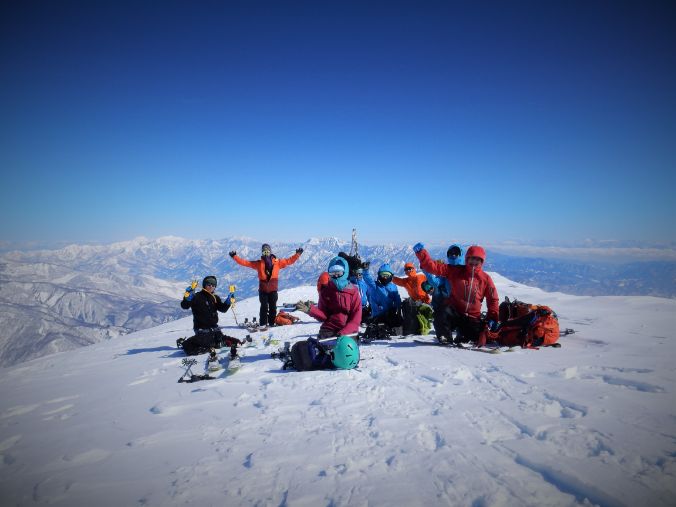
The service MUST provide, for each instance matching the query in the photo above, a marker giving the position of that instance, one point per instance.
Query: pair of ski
(462, 346)
(222, 367)
(486, 350)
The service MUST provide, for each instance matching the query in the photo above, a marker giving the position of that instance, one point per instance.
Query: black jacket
(204, 309)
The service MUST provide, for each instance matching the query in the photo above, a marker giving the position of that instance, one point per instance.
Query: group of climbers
(447, 293)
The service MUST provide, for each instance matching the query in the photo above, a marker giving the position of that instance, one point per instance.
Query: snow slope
(593, 422)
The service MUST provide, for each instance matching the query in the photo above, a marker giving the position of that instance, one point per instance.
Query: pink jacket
(339, 311)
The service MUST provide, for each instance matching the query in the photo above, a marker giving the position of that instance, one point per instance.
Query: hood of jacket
(456, 260)
(384, 268)
(476, 251)
(342, 281)
(412, 272)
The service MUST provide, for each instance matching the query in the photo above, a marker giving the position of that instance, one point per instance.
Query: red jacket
(339, 311)
(266, 284)
(469, 285)
(413, 284)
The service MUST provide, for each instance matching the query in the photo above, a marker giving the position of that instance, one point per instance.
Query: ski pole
(232, 303)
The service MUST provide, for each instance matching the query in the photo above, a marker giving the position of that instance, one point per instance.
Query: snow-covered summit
(591, 423)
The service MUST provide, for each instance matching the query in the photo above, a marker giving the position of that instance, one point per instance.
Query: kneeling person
(205, 306)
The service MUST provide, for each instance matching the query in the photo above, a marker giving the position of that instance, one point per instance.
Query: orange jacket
(323, 280)
(266, 284)
(412, 283)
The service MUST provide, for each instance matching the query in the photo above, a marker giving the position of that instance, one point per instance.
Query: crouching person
(470, 285)
(339, 306)
(205, 306)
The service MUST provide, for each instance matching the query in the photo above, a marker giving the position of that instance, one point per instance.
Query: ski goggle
(408, 269)
(336, 271)
(385, 274)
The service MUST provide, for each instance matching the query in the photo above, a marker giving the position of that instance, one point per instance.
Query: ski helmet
(345, 354)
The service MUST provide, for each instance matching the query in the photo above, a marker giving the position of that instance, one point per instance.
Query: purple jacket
(340, 311)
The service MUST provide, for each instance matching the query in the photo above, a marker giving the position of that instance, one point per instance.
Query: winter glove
(299, 251)
(418, 247)
(302, 307)
(365, 265)
(189, 293)
(493, 326)
(232, 253)
(232, 298)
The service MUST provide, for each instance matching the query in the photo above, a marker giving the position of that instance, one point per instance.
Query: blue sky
(412, 121)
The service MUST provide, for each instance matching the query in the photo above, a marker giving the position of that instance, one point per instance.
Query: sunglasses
(408, 269)
(208, 284)
(336, 274)
(266, 252)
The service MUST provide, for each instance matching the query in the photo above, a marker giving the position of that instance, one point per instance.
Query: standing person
(384, 298)
(442, 291)
(205, 306)
(339, 307)
(470, 285)
(267, 267)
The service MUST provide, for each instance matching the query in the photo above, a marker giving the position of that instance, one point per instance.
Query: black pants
(440, 326)
(268, 311)
(468, 328)
(409, 308)
(391, 319)
(365, 314)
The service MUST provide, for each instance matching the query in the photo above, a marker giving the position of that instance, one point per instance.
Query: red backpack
(525, 325)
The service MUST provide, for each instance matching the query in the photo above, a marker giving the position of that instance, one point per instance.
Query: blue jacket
(442, 289)
(363, 288)
(382, 298)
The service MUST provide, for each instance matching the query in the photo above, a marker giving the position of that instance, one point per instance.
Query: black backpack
(308, 355)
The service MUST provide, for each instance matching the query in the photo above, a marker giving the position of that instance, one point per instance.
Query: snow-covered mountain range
(55, 300)
(591, 423)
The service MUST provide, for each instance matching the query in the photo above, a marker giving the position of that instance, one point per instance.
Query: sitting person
(384, 299)
(357, 279)
(412, 283)
(339, 306)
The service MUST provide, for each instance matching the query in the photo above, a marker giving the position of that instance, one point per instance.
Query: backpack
(285, 319)
(308, 355)
(525, 325)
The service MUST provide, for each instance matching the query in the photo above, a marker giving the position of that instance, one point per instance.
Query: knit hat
(209, 280)
(266, 247)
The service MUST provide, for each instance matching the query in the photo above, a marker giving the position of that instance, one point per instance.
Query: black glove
(365, 265)
(232, 253)
(299, 250)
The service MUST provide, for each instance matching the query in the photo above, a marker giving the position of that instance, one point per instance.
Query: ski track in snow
(590, 423)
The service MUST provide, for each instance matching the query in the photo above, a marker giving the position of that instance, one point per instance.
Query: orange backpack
(526, 325)
(284, 319)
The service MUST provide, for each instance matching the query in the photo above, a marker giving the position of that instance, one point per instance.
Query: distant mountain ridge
(55, 300)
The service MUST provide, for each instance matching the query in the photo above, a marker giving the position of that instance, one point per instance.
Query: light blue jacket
(363, 288)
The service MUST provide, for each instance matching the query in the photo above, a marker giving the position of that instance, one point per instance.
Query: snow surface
(593, 422)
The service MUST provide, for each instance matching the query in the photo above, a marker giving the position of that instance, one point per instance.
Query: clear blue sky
(285, 120)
